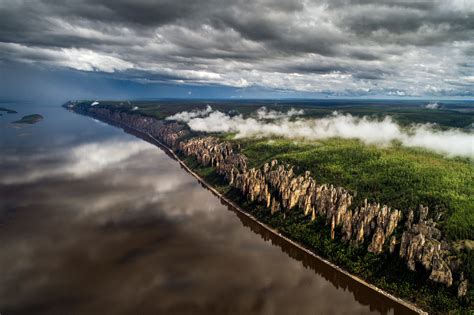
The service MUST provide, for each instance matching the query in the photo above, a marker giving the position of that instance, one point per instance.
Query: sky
(233, 49)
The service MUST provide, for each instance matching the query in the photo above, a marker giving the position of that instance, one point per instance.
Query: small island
(29, 119)
(8, 111)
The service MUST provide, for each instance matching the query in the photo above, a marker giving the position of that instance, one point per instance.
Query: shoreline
(411, 306)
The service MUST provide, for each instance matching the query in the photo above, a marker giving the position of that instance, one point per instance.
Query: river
(93, 219)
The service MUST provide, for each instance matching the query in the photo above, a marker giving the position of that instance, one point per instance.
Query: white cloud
(264, 113)
(432, 105)
(88, 60)
(187, 116)
(451, 142)
(79, 59)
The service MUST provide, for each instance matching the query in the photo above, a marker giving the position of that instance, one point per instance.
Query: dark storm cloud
(364, 55)
(373, 74)
(338, 45)
(401, 24)
(319, 68)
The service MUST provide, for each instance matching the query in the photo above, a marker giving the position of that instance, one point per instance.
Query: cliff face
(168, 133)
(422, 243)
(278, 188)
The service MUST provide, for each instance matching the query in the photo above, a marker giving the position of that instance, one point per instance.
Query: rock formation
(278, 188)
(421, 243)
(462, 289)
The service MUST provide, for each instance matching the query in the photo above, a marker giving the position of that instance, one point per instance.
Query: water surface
(95, 220)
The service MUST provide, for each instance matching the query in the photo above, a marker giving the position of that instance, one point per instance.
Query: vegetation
(384, 271)
(397, 176)
(29, 119)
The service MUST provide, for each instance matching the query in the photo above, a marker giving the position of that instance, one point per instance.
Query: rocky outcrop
(393, 243)
(463, 285)
(373, 217)
(440, 271)
(168, 132)
(280, 189)
(421, 243)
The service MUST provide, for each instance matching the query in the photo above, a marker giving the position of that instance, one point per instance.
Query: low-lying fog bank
(264, 123)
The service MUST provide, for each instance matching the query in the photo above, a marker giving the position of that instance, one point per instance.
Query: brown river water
(95, 220)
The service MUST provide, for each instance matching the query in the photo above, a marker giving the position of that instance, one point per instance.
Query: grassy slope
(399, 177)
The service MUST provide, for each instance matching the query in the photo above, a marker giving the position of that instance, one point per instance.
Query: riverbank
(410, 307)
